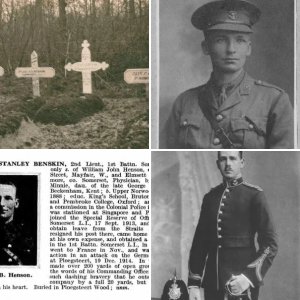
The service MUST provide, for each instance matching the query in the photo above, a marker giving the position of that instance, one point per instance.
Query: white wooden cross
(35, 72)
(86, 67)
(134, 76)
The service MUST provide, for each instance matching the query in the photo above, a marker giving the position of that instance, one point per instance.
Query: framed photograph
(180, 64)
(185, 183)
(19, 219)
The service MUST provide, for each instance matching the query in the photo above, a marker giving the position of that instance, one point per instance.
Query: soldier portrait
(233, 215)
(227, 221)
(18, 220)
(224, 85)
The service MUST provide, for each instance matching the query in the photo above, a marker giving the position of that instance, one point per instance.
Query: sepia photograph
(226, 74)
(18, 219)
(74, 74)
(225, 225)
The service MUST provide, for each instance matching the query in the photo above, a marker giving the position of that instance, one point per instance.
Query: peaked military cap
(233, 15)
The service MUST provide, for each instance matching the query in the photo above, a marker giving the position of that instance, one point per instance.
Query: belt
(236, 241)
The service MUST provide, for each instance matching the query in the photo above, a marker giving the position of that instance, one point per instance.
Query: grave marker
(135, 76)
(86, 67)
(35, 72)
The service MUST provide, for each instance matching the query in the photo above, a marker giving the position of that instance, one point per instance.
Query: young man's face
(228, 50)
(8, 202)
(230, 164)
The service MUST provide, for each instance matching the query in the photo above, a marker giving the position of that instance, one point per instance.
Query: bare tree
(62, 18)
(116, 29)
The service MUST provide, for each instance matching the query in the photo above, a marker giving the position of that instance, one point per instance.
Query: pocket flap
(239, 124)
(190, 120)
(257, 125)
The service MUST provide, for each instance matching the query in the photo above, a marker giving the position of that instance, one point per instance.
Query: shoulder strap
(253, 186)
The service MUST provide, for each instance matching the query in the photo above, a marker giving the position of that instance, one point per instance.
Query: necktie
(222, 96)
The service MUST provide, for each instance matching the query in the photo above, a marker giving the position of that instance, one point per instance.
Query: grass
(10, 122)
(61, 102)
(135, 135)
(66, 109)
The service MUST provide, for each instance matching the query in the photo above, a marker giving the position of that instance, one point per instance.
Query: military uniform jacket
(224, 241)
(16, 245)
(255, 115)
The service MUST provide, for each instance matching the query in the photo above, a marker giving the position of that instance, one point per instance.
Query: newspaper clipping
(72, 224)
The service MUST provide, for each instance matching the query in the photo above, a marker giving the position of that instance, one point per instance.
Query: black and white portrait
(236, 192)
(188, 34)
(18, 219)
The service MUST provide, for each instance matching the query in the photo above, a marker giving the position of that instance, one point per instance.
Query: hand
(238, 284)
(194, 293)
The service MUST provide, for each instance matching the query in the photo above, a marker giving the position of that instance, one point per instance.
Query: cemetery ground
(115, 116)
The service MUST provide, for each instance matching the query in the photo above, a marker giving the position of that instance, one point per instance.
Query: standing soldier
(232, 110)
(223, 257)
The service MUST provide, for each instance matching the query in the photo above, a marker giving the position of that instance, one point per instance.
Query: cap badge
(232, 15)
(174, 292)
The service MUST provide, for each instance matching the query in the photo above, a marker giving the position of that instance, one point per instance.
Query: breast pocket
(190, 126)
(249, 133)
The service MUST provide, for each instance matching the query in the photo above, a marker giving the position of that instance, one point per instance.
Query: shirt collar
(229, 86)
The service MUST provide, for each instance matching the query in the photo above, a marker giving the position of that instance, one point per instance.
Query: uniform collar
(246, 85)
(243, 88)
(229, 86)
(233, 182)
(235, 98)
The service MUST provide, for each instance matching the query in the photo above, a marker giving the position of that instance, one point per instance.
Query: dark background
(27, 193)
(183, 65)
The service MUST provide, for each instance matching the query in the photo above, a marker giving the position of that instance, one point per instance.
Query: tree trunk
(107, 7)
(131, 10)
(63, 18)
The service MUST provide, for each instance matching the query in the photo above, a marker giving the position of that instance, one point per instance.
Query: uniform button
(259, 81)
(226, 190)
(219, 246)
(216, 141)
(220, 212)
(222, 204)
(9, 246)
(9, 260)
(219, 228)
(224, 197)
(251, 126)
(219, 236)
(219, 118)
(219, 220)
(184, 123)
